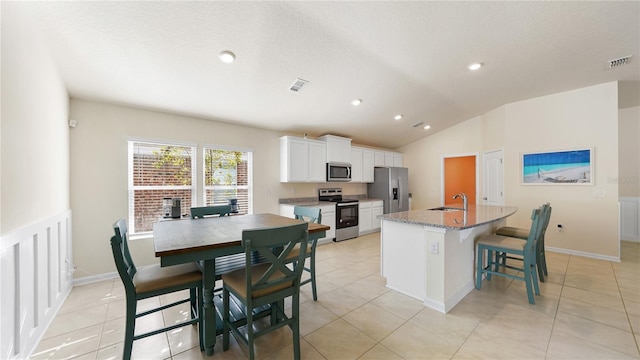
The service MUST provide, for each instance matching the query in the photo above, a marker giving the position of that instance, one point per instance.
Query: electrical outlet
(72, 267)
(433, 247)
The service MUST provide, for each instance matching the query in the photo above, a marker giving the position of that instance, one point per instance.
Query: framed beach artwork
(570, 167)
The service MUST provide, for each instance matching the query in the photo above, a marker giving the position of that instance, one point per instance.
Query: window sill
(141, 236)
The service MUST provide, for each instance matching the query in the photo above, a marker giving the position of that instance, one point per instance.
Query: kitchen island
(430, 254)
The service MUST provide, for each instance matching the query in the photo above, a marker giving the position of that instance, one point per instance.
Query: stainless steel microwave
(338, 171)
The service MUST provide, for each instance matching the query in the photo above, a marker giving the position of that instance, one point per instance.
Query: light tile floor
(588, 309)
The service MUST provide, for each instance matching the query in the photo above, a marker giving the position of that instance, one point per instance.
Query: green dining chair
(153, 281)
(493, 243)
(264, 284)
(310, 214)
(228, 262)
(204, 211)
(523, 234)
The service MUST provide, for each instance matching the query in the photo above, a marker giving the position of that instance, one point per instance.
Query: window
(158, 171)
(227, 175)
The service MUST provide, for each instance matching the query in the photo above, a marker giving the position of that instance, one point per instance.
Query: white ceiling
(399, 57)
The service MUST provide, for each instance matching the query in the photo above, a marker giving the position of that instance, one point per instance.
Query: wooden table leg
(209, 311)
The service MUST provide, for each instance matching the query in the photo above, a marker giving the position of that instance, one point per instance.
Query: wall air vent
(619, 62)
(298, 84)
(417, 124)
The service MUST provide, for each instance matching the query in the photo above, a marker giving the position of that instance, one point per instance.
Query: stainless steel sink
(446, 208)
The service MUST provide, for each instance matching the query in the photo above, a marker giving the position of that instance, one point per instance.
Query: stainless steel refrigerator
(391, 184)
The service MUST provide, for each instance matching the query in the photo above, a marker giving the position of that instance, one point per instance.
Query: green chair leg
(129, 328)
(498, 246)
(225, 321)
(151, 282)
(295, 309)
(479, 267)
(313, 276)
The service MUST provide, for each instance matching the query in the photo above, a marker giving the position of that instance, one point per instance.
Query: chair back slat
(275, 245)
(310, 214)
(121, 255)
(537, 223)
(546, 217)
(201, 212)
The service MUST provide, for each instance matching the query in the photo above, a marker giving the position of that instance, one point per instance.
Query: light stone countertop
(307, 202)
(476, 215)
(313, 201)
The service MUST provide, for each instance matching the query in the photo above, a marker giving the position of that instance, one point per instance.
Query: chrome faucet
(465, 202)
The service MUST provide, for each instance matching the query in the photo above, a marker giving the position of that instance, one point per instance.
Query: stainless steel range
(346, 213)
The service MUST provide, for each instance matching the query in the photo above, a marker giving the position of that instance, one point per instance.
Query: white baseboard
(459, 295)
(94, 278)
(583, 253)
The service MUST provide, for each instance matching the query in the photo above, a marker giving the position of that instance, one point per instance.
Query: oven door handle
(347, 204)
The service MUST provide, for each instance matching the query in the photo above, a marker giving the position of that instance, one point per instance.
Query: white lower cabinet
(329, 219)
(328, 213)
(368, 222)
(376, 210)
(364, 217)
(368, 212)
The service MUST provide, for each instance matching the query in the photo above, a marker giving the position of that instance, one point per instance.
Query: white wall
(34, 132)
(585, 117)
(99, 172)
(34, 191)
(629, 147)
(424, 157)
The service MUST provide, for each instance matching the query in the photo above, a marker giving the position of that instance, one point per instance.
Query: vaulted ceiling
(406, 58)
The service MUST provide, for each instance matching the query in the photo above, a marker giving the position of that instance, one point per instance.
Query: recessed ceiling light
(427, 127)
(227, 56)
(356, 102)
(475, 66)
(398, 117)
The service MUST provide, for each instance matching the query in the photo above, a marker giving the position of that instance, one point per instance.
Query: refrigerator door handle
(401, 191)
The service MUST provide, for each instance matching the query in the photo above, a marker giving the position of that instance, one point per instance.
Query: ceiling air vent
(619, 62)
(298, 84)
(417, 124)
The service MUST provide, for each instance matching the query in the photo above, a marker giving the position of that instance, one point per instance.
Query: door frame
(484, 189)
(442, 159)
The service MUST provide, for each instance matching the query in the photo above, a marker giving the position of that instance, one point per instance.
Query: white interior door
(493, 184)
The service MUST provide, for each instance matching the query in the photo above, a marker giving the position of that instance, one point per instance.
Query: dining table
(193, 240)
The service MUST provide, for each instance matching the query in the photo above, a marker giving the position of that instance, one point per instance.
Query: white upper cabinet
(397, 159)
(368, 158)
(356, 164)
(305, 160)
(302, 160)
(317, 161)
(387, 158)
(338, 148)
(362, 164)
(379, 158)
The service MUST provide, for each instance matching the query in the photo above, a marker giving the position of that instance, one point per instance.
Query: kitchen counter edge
(476, 215)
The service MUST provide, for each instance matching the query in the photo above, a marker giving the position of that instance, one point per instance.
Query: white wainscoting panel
(630, 218)
(35, 278)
